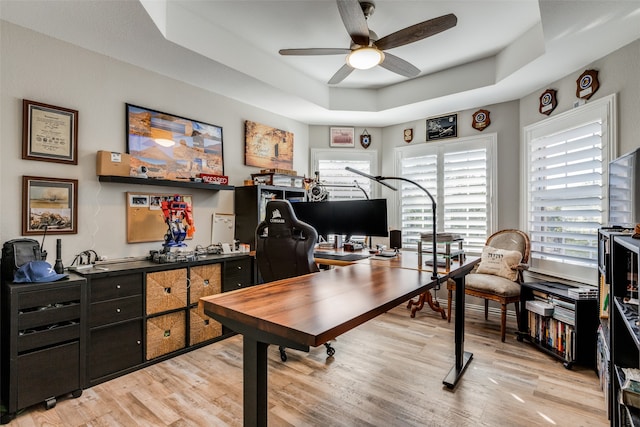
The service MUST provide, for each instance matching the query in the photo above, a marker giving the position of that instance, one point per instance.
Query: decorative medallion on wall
(548, 101)
(481, 120)
(365, 139)
(587, 84)
(408, 135)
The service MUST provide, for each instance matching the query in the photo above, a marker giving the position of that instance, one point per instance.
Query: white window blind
(566, 164)
(340, 183)
(566, 195)
(459, 177)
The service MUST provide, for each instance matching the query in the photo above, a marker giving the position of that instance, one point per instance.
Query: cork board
(145, 221)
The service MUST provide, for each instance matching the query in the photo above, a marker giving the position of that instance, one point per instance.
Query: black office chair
(284, 248)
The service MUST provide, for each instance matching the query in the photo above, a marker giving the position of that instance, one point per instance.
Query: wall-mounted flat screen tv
(172, 147)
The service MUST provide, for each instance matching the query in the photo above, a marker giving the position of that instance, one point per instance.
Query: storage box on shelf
(559, 323)
(44, 344)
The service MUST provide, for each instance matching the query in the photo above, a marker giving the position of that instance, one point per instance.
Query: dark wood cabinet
(44, 345)
(237, 274)
(250, 202)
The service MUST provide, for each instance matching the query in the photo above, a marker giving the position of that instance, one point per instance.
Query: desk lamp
(381, 179)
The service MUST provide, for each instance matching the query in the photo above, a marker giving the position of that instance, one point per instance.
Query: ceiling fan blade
(399, 66)
(314, 51)
(354, 21)
(417, 32)
(341, 74)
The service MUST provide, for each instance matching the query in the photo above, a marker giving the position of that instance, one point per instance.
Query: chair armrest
(521, 267)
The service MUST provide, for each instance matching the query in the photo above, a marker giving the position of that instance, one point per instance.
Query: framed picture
(342, 137)
(49, 133)
(49, 204)
(442, 127)
(267, 147)
(172, 147)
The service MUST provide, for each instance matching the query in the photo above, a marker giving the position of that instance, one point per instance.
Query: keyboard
(341, 257)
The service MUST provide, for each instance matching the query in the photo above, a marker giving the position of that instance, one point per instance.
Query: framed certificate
(49, 133)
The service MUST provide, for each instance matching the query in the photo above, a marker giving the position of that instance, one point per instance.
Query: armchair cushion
(488, 283)
(499, 262)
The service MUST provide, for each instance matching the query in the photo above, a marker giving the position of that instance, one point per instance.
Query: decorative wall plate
(548, 101)
(587, 84)
(481, 120)
(365, 139)
(408, 135)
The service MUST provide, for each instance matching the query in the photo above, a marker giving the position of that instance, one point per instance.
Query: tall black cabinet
(249, 205)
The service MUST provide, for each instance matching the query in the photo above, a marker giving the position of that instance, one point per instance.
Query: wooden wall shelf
(163, 182)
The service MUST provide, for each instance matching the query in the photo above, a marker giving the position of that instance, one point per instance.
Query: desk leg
(254, 355)
(462, 357)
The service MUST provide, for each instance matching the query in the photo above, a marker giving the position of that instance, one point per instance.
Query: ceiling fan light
(365, 58)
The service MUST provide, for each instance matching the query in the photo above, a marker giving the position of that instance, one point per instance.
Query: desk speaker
(395, 239)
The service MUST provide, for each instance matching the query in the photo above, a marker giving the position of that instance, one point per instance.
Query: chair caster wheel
(330, 350)
(283, 354)
(76, 393)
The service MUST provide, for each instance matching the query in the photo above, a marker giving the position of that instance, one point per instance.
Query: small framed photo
(49, 133)
(49, 205)
(442, 127)
(342, 137)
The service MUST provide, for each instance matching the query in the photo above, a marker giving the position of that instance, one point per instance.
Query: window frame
(318, 154)
(604, 109)
(488, 140)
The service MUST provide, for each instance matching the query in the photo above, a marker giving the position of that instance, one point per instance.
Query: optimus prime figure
(177, 216)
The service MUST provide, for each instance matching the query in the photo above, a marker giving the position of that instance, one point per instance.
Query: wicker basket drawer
(204, 280)
(165, 334)
(202, 327)
(166, 290)
(106, 288)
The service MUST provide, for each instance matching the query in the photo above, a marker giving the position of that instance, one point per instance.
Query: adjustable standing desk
(307, 311)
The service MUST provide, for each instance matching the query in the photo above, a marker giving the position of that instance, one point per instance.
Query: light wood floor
(387, 372)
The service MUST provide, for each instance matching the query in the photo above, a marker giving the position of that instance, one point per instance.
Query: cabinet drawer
(114, 348)
(105, 288)
(237, 274)
(165, 334)
(47, 297)
(30, 339)
(115, 310)
(46, 316)
(47, 373)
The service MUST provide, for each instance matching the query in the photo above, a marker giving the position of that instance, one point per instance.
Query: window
(566, 162)
(339, 183)
(459, 175)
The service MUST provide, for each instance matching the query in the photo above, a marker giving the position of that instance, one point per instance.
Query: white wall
(617, 73)
(43, 69)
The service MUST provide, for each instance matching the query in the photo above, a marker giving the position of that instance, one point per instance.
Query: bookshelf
(624, 322)
(560, 321)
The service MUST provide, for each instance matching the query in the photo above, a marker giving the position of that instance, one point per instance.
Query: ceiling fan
(366, 50)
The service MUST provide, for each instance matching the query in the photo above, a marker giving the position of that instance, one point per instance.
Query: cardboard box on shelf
(113, 163)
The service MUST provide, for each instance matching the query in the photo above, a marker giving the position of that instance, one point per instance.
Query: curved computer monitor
(345, 217)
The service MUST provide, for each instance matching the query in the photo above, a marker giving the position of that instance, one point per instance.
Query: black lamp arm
(381, 180)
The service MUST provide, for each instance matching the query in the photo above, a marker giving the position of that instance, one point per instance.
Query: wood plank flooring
(387, 372)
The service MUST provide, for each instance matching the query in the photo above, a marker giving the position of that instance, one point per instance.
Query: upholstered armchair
(498, 275)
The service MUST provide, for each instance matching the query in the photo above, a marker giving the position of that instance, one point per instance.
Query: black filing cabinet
(43, 348)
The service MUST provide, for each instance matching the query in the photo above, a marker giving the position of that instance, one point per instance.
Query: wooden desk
(309, 310)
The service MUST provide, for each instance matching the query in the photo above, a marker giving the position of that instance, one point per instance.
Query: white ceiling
(499, 50)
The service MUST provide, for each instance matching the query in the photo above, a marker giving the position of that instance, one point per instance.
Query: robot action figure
(177, 215)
